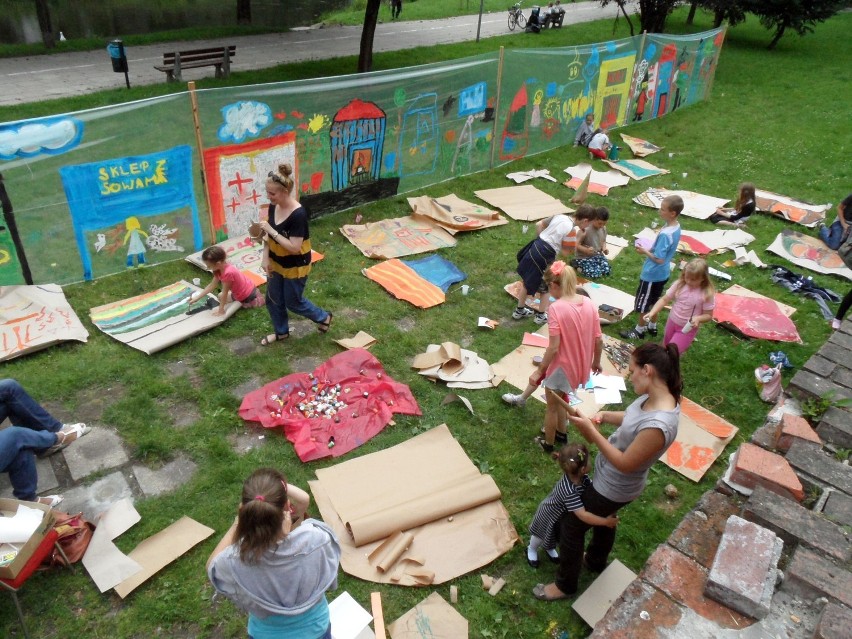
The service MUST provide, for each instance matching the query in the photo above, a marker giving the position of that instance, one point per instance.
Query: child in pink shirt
(694, 298)
(233, 281)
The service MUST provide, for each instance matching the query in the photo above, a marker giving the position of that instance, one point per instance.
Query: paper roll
(390, 550)
(470, 493)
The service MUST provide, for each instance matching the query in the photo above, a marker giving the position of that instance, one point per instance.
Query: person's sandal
(323, 327)
(541, 595)
(78, 430)
(275, 337)
(547, 448)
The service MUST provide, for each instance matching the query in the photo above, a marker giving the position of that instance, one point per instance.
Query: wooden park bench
(175, 61)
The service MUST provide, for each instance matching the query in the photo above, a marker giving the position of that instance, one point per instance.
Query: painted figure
(136, 247)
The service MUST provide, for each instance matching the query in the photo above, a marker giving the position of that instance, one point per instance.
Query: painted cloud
(51, 135)
(244, 119)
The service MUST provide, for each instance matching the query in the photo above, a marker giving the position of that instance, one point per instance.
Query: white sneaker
(514, 400)
(540, 318)
(521, 313)
(835, 324)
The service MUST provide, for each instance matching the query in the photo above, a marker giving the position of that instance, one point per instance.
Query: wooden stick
(378, 616)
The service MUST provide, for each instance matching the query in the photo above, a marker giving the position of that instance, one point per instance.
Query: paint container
(525, 228)
(196, 281)
(671, 155)
(537, 360)
(465, 289)
(685, 174)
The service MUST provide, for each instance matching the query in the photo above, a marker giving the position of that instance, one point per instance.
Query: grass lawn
(775, 118)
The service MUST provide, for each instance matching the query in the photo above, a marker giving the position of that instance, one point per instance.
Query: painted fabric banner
(35, 317)
(67, 239)
(96, 175)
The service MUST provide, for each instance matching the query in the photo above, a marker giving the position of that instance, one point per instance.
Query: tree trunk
(692, 8)
(779, 31)
(371, 17)
(717, 18)
(243, 11)
(43, 13)
(626, 17)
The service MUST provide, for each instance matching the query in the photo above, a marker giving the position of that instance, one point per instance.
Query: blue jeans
(34, 429)
(833, 235)
(282, 295)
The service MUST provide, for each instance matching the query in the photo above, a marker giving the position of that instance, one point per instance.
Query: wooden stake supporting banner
(497, 106)
(196, 121)
(378, 615)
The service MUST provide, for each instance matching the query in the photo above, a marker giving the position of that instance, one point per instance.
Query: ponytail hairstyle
(261, 516)
(282, 178)
(563, 275)
(572, 458)
(745, 195)
(665, 360)
(698, 267)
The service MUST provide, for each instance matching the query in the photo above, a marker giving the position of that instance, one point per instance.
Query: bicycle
(516, 17)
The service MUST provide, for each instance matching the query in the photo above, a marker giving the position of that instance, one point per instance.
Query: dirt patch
(306, 364)
(92, 402)
(185, 368)
(181, 414)
(351, 313)
(668, 506)
(251, 384)
(244, 346)
(252, 437)
(406, 324)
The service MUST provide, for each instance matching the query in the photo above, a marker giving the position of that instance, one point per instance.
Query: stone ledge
(810, 460)
(836, 427)
(812, 575)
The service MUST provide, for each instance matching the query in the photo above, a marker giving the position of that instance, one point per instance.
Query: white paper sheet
(348, 618)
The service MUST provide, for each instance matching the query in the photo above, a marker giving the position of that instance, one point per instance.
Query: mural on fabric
(351, 139)
(122, 190)
(236, 181)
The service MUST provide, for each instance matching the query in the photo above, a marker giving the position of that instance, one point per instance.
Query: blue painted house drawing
(357, 138)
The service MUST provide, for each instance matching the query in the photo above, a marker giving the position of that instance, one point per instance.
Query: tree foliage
(730, 11)
(371, 18)
(652, 13)
(243, 11)
(797, 15)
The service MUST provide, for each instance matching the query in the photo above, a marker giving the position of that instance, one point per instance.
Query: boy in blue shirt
(657, 266)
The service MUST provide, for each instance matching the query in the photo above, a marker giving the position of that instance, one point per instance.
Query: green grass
(93, 44)
(422, 10)
(774, 118)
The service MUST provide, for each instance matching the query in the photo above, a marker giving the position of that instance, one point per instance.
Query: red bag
(75, 533)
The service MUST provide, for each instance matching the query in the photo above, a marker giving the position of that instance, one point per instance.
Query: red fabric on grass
(355, 370)
(755, 317)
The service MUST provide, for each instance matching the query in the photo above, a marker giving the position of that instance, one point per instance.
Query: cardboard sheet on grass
(636, 169)
(35, 317)
(705, 242)
(809, 252)
(516, 367)
(524, 203)
(432, 618)
(456, 366)
(246, 256)
(454, 214)
(153, 321)
(519, 177)
(397, 237)
(736, 289)
(598, 598)
(369, 395)
(790, 209)
(600, 182)
(639, 147)
(110, 568)
(599, 294)
(756, 316)
(696, 205)
(423, 283)
(391, 512)
(701, 438)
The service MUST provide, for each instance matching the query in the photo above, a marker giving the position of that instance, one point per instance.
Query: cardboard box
(8, 508)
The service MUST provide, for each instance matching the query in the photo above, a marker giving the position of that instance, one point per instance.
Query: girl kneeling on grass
(694, 299)
(233, 281)
(565, 497)
(273, 568)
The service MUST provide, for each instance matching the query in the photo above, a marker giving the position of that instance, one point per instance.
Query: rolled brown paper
(478, 490)
(390, 550)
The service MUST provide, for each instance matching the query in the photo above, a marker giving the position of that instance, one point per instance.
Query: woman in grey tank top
(645, 431)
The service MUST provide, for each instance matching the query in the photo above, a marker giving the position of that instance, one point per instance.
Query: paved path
(62, 75)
